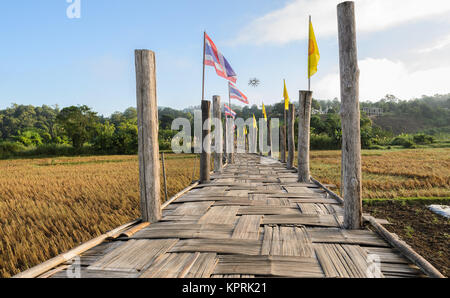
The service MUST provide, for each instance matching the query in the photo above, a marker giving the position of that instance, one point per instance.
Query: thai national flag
(229, 111)
(214, 58)
(236, 94)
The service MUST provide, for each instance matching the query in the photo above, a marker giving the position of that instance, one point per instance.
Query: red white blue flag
(214, 58)
(236, 94)
(229, 111)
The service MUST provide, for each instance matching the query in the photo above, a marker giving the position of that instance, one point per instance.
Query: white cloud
(290, 22)
(383, 76)
(441, 43)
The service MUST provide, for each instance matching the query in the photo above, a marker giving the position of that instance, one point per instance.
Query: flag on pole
(236, 94)
(229, 111)
(313, 52)
(264, 112)
(286, 97)
(254, 122)
(214, 58)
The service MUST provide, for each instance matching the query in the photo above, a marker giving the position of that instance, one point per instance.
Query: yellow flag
(264, 111)
(286, 97)
(254, 121)
(313, 52)
(245, 130)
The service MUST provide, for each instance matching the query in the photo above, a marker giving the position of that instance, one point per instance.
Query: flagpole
(309, 40)
(204, 52)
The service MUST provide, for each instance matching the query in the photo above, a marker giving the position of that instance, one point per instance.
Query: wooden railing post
(283, 138)
(269, 138)
(218, 145)
(148, 147)
(205, 156)
(350, 115)
(282, 144)
(291, 142)
(304, 123)
(163, 163)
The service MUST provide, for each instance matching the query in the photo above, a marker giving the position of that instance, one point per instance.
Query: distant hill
(429, 114)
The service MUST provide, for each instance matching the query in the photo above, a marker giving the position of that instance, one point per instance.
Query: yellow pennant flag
(245, 130)
(254, 122)
(313, 52)
(264, 111)
(286, 97)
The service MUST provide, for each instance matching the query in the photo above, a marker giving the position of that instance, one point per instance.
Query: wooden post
(230, 140)
(164, 177)
(283, 138)
(205, 156)
(350, 115)
(304, 123)
(218, 166)
(148, 147)
(282, 143)
(269, 139)
(290, 137)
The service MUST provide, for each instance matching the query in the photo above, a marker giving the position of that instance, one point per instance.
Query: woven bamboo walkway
(253, 220)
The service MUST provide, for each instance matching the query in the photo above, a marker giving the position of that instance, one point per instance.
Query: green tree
(126, 138)
(79, 123)
(104, 137)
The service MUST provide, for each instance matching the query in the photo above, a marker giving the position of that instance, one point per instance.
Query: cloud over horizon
(284, 25)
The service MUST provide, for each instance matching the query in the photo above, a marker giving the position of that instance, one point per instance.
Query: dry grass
(48, 206)
(392, 173)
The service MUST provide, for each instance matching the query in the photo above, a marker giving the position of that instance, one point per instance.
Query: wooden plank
(275, 266)
(342, 260)
(203, 266)
(171, 265)
(267, 210)
(286, 241)
(133, 256)
(186, 231)
(192, 208)
(312, 208)
(229, 246)
(312, 200)
(220, 215)
(387, 255)
(302, 219)
(247, 227)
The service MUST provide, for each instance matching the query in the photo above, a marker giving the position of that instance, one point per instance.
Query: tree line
(45, 130)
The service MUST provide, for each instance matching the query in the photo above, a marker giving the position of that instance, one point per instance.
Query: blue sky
(47, 58)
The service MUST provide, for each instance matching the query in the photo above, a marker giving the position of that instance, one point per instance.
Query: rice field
(391, 173)
(50, 205)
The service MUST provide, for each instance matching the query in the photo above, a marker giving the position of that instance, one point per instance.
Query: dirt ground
(426, 232)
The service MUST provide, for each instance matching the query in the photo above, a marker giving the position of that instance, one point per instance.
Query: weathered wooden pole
(282, 142)
(205, 156)
(229, 131)
(166, 197)
(269, 139)
(350, 115)
(218, 166)
(290, 137)
(283, 138)
(304, 124)
(148, 147)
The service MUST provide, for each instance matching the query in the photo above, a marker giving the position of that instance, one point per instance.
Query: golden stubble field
(49, 205)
